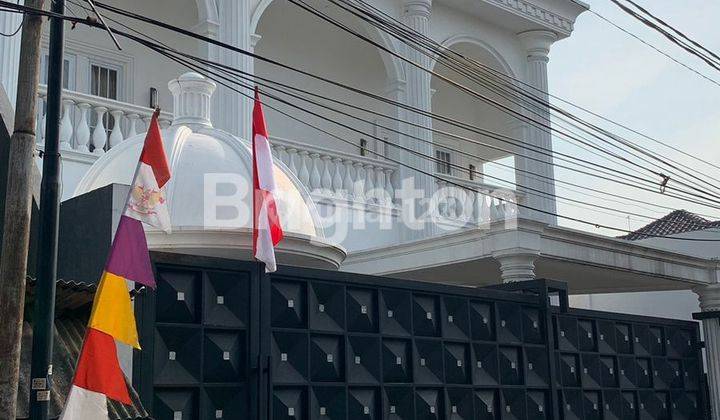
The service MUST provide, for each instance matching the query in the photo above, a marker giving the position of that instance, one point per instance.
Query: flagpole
(44, 315)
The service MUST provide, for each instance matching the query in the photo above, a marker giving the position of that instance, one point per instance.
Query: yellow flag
(112, 311)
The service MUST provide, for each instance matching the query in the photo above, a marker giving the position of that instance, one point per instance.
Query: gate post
(709, 298)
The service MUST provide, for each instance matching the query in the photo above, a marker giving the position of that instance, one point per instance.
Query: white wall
(142, 68)
(296, 38)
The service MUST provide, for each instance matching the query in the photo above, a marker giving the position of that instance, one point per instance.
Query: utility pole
(18, 199)
(44, 314)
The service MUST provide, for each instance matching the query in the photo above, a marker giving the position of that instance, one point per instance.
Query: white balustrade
(94, 124)
(337, 174)
(457, 200)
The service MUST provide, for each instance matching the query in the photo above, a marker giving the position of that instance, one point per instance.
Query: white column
(516, 264)
(10, 53)
(709, 298)
(537, 47)
(416, 14)
(233, 109)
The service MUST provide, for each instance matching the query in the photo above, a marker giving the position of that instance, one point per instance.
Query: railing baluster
(389, 184)
(359, 181)
(116, 135)
(292, 153)
(99, 136)
(348, 178)
(66, 128)
(381, 195)
(132, 121)
(314, 172)
(369, 182)
(326, 180)
(303, 173)
(82, 134)
(337, 182)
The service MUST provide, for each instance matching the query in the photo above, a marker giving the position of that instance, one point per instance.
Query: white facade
(357, 178)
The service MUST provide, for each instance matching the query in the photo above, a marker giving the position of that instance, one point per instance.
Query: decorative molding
(530, 11)
(100, 55)
(709, 297)
(537, 43)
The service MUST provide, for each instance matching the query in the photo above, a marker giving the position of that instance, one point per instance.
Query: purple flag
(129, 256)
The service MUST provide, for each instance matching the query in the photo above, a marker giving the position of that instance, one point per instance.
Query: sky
(607, 71)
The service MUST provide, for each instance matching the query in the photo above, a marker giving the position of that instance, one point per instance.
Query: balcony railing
(91, 124)
(489, 203)
(335, 174)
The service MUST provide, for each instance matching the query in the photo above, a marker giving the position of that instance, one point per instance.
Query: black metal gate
(225, 341)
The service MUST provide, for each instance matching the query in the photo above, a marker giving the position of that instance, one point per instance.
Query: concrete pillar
(516, 264)
(10, 53)
(416, 14)
(537, 47)
(233, 110)
(709, 298)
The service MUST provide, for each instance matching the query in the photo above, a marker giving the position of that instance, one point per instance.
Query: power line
(200, 70)
(442, 51)
(412, 35)
(251, 77)
(303, 109)
(653, 47)
(323, 79)
(709, 60)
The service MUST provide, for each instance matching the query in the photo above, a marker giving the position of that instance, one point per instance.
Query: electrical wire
(200, 70)
(273, 62)
(15, 32)
(440, 52)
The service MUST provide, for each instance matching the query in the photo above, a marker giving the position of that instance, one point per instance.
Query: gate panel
(224, 341)
(631, 367)
(379, 348)
(196, 331)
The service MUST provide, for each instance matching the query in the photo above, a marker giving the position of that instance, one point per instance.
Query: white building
(109, 93)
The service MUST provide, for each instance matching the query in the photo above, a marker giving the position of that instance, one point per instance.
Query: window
(471, 172)
(363, 147)
(103, 81)
(442, 162)
(68, 71)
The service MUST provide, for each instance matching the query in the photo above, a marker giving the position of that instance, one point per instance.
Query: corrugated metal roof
(679, 221)
(69, 334)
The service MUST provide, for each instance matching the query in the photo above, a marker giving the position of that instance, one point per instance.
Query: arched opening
(295, 37)
(488, 165)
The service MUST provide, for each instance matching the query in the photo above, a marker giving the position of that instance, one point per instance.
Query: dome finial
(191, 99)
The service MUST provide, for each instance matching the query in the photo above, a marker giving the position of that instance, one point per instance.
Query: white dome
(210, 190)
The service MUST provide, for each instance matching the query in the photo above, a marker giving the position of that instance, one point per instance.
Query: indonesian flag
(97, 378)
(147, 202)
(267, 231)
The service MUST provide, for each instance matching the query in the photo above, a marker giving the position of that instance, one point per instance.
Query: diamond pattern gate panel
(354, 347)
(223, 340)
(196, 331)
(615, 366)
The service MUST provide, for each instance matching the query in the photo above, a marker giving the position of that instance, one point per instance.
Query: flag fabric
(267, 231)
(147, 202)
(98, 375)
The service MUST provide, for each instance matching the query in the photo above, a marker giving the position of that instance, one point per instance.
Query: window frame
(443, 166)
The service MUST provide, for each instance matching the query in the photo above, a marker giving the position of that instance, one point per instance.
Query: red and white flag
(267, 231)
(98, 377)
(147, 201)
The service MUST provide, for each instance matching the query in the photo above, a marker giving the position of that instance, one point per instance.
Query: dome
(210, 191)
